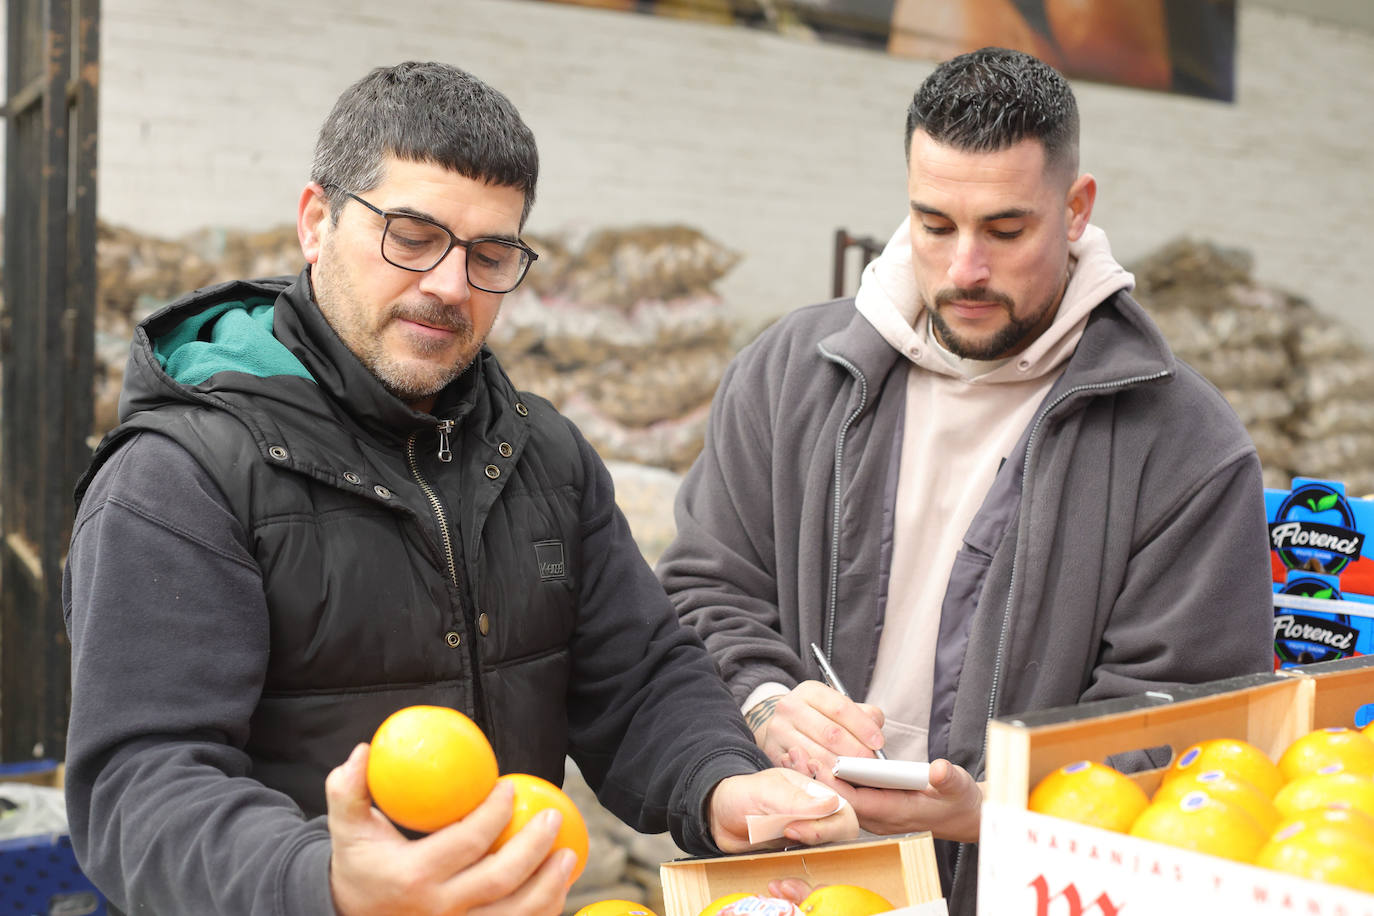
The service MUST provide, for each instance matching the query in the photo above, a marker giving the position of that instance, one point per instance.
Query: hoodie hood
(889, 300)
(229, 336)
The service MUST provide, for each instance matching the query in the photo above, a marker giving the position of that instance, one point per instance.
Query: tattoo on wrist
(760, 713)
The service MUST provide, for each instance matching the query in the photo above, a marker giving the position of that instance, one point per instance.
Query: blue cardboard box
(39, 877)
(1315, 622)
(38, 873)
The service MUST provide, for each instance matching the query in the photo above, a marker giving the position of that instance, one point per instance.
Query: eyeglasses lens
(416, 244)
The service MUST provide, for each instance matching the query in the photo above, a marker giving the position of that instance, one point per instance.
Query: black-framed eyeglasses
(418, 244)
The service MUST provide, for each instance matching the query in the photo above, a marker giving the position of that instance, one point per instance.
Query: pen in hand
(834, 681)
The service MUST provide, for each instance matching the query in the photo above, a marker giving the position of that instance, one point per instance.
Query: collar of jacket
(301, 327)
(1121, 344)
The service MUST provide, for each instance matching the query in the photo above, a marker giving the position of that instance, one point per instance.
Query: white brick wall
(208, 114)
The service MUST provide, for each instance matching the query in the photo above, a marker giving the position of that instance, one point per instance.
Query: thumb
(345, 790)
(806, 795)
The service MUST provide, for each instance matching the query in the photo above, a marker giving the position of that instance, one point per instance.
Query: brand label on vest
(549, 555)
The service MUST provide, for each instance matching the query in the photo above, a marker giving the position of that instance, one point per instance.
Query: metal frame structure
(47, 341)
(869, 248)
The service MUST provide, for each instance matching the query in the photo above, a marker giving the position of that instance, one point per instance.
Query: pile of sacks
(624, 335)
(1298, 379)
(622, 331)
(138, 274)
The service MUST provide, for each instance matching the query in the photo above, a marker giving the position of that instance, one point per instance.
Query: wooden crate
(1034, 864)
(902, 869)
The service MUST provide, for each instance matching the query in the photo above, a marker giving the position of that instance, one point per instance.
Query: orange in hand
(533, 795)
(429, 766)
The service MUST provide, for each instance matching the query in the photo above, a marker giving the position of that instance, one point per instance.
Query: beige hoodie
(963, 417)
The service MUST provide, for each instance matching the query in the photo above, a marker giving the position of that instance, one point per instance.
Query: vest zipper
(433, 498)
(478, 694)
(445, 455)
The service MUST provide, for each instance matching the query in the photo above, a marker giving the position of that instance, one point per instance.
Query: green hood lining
(227, 337)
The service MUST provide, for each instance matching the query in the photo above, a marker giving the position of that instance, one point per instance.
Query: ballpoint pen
(834, 681)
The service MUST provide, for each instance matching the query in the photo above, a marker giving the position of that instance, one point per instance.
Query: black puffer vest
(392, 577)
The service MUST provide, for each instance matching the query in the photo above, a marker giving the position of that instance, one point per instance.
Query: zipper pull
(445, 455)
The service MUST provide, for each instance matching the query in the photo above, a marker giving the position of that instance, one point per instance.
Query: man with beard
(983, 486)
(325, 502)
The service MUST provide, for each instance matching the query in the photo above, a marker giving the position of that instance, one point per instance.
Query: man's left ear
(1079, 204)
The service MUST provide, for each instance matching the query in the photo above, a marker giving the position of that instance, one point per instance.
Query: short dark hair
(993, 98)
(423, 112)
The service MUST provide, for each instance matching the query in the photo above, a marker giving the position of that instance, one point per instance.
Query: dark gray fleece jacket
(1121, 547)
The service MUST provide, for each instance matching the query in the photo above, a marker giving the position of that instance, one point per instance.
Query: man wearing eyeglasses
(325, 502)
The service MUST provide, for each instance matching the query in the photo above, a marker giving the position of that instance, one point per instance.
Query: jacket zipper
(433, 497)
(1011, 585)
(836, 500)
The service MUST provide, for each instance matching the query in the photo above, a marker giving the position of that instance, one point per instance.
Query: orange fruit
(1204, 824)
(1321, 852)
(720, 903)
(429, 766)
(1089, 793)
(615, 908)
(1348, 790)
(533, 795)
(1345, 819)
(1232, 755)
(843, 900)
(1328, 750)
(1228, 788)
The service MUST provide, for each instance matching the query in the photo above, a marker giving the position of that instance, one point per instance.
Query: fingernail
(819, 791)
(875, 740)
(552, 817)
(567, 860)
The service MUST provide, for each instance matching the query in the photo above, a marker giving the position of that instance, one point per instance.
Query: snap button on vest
(278, 453)
(382, 491)
(453, 638)
(505, 449)
(483, 623)
(352, 478)
(522, 409)
(493, 471)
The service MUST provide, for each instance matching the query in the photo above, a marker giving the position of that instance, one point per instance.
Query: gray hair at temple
(992, 99)
(423, 112)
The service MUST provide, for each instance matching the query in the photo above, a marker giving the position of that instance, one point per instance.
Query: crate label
(1034, 865)
(1314, 621)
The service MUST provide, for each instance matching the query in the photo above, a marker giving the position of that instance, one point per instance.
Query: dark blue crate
(39, 877)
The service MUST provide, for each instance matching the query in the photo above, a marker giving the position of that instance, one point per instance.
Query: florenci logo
(1314, 523)
(1312, 629)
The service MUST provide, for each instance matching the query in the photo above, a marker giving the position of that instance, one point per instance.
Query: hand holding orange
(533, 795)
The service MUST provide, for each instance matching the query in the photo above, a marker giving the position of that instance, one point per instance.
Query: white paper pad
(882, 774)
(765, 827)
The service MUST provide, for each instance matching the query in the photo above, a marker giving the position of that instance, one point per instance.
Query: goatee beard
(1002, 342)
